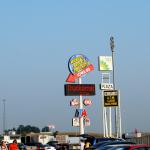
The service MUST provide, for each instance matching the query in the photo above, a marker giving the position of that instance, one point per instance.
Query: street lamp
(4, 116)
(112, 46)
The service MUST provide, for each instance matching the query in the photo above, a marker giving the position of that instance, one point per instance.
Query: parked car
(21, 146)
(127, 147)
(108, 139)
(48, 147)
(54, 144)
(120, 147)
(93, 140)
(100, 145)
(38, 146)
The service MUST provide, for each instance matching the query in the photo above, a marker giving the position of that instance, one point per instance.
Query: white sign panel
(105, 63)
(74, 102)
(75, 122)
(87, 121)
(106, 86)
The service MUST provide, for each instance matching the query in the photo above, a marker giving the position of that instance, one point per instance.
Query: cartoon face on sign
(77, 63)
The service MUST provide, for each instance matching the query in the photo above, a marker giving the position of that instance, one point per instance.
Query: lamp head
(112, 45)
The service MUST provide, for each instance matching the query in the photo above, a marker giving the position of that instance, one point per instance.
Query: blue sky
(37, 38)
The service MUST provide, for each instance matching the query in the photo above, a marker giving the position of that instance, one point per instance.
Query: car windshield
(46, 145)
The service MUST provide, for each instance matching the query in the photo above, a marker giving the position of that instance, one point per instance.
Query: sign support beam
(81, 107)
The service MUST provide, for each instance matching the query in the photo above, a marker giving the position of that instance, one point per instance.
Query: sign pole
(119, 111)
(81, 107)
(110, 125)
(104, 129)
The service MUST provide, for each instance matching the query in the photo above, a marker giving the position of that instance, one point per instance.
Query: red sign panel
(72, 77)
(79, 89)
(87, 102)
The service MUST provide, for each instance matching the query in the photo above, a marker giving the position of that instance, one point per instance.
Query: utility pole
(4, 116)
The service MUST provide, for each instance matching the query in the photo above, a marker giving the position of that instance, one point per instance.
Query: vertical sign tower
(110, 96)
(79, 65)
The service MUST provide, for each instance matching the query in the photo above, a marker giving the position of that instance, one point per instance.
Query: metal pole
(103, 108)
(112, 46)
(106, 125)
(120, 125)
(81, 107)
(110, 125)
(4, 116)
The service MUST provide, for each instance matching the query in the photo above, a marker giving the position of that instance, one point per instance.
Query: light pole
(4, 116)
(112, 46)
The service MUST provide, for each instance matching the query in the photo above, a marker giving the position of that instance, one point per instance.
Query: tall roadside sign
(79, 66)
(110, 96)
(105, 66)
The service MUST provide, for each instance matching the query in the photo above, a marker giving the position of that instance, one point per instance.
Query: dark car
(54, 144)
(104, 143)
(93, 140)
(108, 139)
(21, 146)
(127, 147)
(39, 146)
(113, 147)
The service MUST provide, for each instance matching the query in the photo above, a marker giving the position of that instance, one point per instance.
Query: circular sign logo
(77, 63)
(74, 102)
(87, 102)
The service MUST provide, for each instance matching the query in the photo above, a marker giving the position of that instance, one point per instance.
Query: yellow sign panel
(77, 63)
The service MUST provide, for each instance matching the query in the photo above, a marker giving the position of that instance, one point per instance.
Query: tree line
(27, 129)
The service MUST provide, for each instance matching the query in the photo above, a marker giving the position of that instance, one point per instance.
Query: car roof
(104, 143)
(129, 146)
(140, 145)
(111, 147)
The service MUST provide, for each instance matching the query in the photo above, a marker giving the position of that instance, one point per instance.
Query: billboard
(105, 63)
(79, 89)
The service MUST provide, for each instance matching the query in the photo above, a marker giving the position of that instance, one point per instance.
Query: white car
(48, 147)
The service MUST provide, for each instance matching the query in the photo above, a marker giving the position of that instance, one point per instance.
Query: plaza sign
(106, 86)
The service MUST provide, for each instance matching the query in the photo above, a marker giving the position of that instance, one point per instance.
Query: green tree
(45, 129)
(27, 129)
